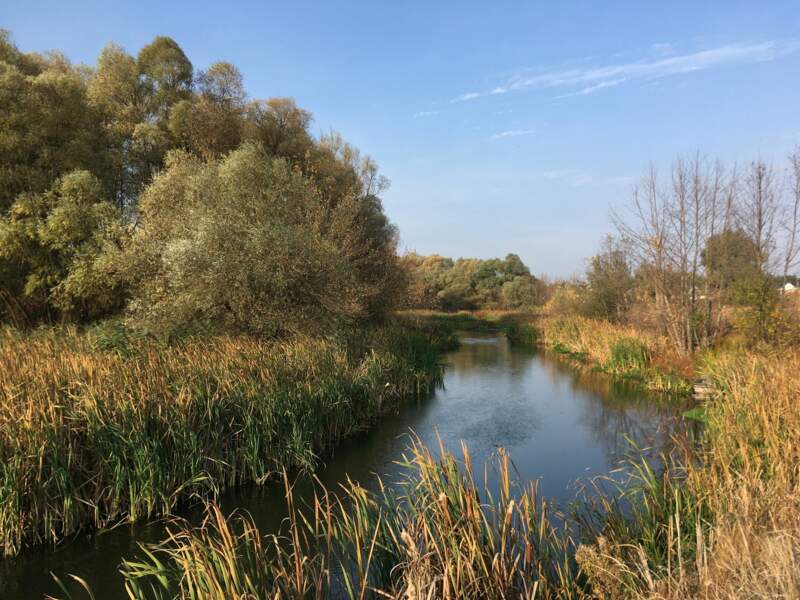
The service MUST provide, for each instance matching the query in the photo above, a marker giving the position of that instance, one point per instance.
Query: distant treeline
(440, 283)
(144, 187)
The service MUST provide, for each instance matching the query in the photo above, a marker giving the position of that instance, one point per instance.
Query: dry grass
(722, 523)
(438, 535)
(90, 436)
(618, 350)
(728, 526)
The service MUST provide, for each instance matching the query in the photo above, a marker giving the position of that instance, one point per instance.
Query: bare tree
(668, 227)
(791, 220)
(758, 209)
(704, 237)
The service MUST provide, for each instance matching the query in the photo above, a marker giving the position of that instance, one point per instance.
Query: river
(560, 426)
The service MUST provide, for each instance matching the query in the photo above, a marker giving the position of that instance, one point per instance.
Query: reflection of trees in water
(478, 353)
(626, 421)
(623, 419)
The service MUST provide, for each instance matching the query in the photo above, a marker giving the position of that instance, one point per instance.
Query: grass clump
(629, 355)
(725, 523)
(93, 433)
(436, 534)
(622, 352)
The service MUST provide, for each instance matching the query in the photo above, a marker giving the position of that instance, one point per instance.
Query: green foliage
(246, 242)
(522, 292)
(758, 297)
(166, 75)
(629, 355)
(47, 128)
(522, 333)
(730, 258)
(470, 283)
(115, 93)
(211, 123)
(256, 225)
(609, 283)
(52, 245)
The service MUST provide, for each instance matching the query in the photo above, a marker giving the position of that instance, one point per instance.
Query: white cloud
(467, 96)
(512, 133)
(577, 178)
(426, 113)
(594, 88)
(596, 78)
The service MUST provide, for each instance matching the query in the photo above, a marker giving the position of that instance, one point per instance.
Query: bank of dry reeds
(94, 430)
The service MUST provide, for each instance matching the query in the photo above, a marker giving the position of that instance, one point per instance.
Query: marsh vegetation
(197, 293)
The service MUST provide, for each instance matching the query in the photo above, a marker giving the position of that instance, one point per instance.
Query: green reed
(89, 437)
(437, 533)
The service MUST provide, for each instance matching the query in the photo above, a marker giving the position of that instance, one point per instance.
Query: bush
(628, 355)
(249, 244)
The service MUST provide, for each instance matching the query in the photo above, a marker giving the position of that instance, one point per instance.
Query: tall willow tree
(47, 127)
(252, 223)
(248, 243)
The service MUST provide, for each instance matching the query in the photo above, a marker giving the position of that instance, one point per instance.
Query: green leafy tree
(469, 283)
(52, 246)
(282, 128)
(166, 76)
(733, 263)
(246, 243)
(522, 292)
(115, 124)
(47, 127)
(115, 93)
(609, 282)
(211, 123)
(731, 258)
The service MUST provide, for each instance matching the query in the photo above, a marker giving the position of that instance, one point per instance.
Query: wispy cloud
(577, 178)
(426, 113)
(467, 96)
(512, 133)
(594, 88)
(596, 78)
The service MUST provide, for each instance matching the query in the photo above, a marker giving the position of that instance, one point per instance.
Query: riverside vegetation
(95, 430)
(683, 532)
(196, 292)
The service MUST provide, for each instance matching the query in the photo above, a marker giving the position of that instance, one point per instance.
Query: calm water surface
(560, 427)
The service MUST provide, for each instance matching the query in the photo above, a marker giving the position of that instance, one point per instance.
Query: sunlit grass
(727, 524)
(440, 533)
(720, 521)
(620, 351)
(91, 432)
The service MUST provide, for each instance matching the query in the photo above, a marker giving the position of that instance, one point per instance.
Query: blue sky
(504, 127)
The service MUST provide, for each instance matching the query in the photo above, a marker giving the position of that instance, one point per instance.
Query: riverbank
(518, 327)
(102, 426)
(722, 522)
(621, 352)
(725, 521)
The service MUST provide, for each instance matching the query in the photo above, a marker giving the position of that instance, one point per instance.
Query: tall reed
(620, 351)
(436, 534)
(725, 525)
(89, 436)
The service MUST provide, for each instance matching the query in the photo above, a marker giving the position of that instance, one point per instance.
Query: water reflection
(560, 425)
